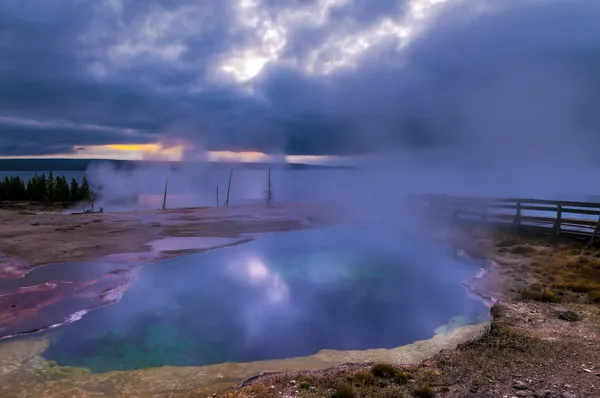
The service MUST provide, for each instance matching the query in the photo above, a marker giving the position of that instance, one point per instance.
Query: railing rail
(561, 216)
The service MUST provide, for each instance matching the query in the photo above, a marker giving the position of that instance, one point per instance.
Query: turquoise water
(283, 295)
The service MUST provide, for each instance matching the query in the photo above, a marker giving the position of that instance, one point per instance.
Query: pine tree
(67, 190)
(36, 188)
(75, 190)
(29, 188)
(4, 194)
(51, 183)
(85, 192)
(7, 188)
(40, 188)
(43, 187)
(18, 191)
(62, 192)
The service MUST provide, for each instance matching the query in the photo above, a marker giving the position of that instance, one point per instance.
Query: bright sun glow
(229, 156)
(175, 153)
(133, 152)
(339, 50)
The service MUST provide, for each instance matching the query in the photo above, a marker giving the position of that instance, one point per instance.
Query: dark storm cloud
(22, 136)
(474, 79)
(517, 80)
(46, 51)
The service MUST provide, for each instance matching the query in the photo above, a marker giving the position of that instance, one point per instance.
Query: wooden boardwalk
(560, 217)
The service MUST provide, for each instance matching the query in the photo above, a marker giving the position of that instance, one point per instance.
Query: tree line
(42, 188)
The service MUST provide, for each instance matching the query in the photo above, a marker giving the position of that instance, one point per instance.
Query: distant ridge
(82, 164)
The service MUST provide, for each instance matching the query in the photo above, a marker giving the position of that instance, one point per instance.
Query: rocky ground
(543, 341)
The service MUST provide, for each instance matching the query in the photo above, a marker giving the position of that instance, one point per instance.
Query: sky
(471, 81)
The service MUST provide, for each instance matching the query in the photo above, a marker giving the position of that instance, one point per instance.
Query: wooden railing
(561, 216)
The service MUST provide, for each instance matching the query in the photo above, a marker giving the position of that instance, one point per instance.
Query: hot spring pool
(281, 296)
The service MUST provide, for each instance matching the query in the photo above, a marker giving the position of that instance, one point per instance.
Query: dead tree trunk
(269, 192)
(228, 189)
(164, 203)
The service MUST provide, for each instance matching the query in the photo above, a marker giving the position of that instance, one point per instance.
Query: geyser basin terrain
(283, 295)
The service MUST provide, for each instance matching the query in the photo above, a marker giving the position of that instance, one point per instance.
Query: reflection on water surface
(281, 296)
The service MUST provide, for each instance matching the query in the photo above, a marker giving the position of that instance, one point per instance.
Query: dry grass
(565, 272)
(379, 380)
(502, 352)
(424, 391)
(344, 391)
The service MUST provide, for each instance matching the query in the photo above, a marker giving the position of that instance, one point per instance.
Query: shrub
(344, 391)
(580, 286)
(304, 385)
(537, 293)
(403, 377)
(595, 296)
(523, 249)
(364, 378)
(423, 391)
(384, 371)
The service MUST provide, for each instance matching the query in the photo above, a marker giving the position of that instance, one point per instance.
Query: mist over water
(281, 296)
(375, 188)
(488, 98)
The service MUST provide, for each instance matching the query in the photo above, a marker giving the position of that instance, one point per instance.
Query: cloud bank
(463, 82)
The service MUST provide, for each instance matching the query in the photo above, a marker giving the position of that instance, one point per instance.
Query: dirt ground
(34, 237)
(545, 345)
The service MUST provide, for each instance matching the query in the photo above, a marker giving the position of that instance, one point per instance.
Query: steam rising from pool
(281, 296)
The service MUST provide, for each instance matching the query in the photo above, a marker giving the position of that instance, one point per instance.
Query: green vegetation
(304, 385)
(384, 371)
(42, 188)
(423, 391)
(364, 378)
(403, 377)
(538, 292)
(344, 391)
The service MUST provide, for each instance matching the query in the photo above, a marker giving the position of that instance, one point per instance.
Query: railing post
(596, 230)
(558, 220)
(517, 221)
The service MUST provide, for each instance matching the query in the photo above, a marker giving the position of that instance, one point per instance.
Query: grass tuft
(403, 377)
(344, 391)
(523, 249)
(423, 391)
(384, 371)
(564, 273)
(364, 378)
(537, 292)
